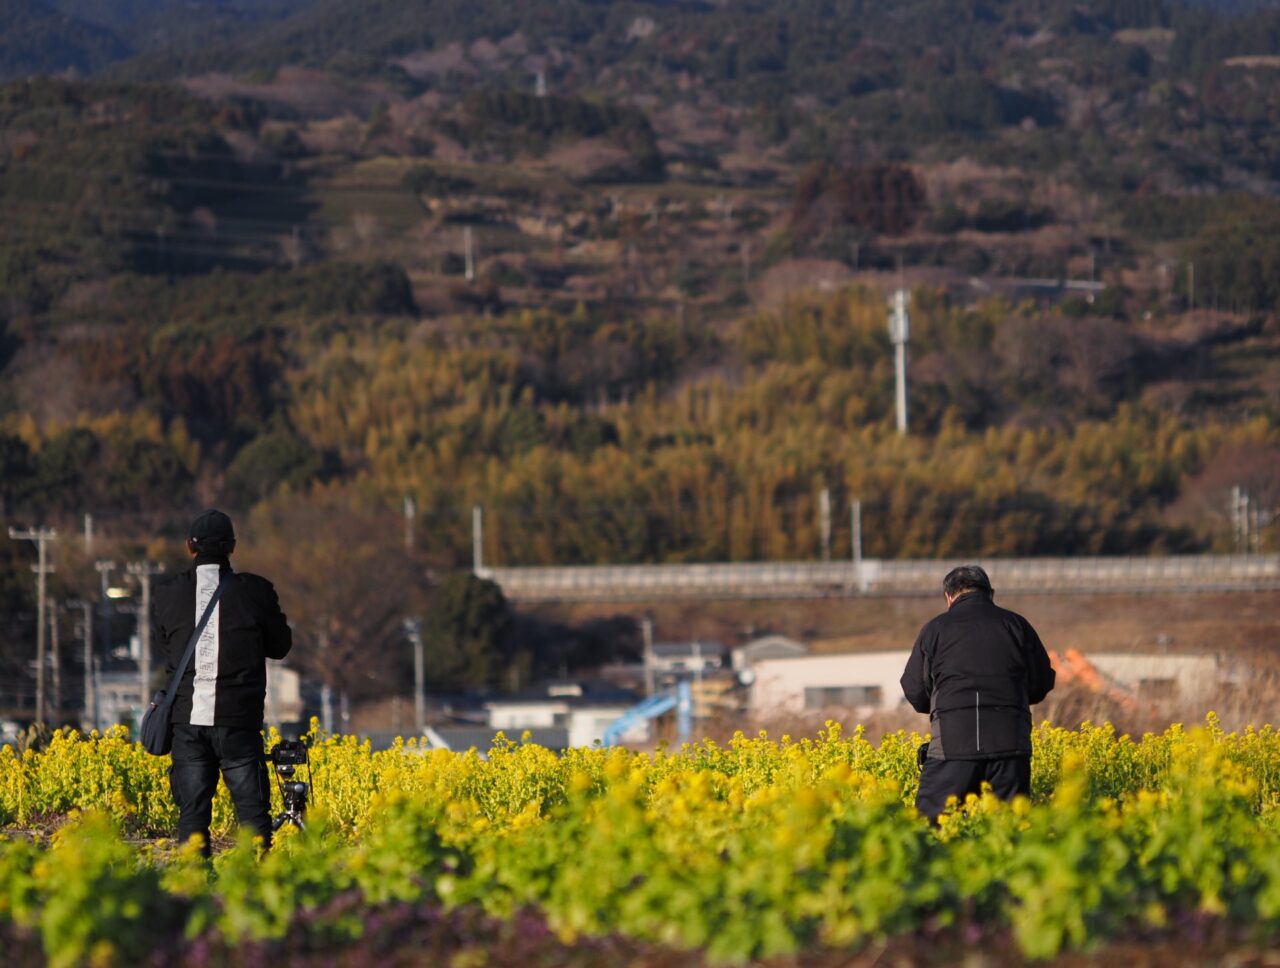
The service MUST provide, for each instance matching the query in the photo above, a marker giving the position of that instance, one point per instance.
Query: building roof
(590, 692)
(679, 650)
(771, 647)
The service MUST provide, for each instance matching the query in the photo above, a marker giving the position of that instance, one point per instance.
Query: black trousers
(199, 754)
(1009, 777)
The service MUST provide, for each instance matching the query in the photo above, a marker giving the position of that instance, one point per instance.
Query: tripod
(288, 755)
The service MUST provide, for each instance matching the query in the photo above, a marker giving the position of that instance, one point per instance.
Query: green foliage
(467, 632)
(99, 902)
(1237, 257)
(754, 849)
(24, 284)
(17, 473)
(518, 121)
(272, 459)
(104, 178)
(885, 199)
(117, 467)
(425, 180)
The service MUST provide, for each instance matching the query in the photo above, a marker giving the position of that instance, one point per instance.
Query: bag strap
(181, 668)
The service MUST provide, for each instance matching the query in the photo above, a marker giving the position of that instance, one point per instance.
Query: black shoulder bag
(156, 732)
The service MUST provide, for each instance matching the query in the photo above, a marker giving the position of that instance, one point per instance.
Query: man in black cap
(976, 670)
(217, 709)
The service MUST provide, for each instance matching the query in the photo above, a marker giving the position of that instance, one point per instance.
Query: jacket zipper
(977, 720)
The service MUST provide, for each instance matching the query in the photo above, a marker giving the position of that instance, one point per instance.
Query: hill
(650, 290)
(618, 273)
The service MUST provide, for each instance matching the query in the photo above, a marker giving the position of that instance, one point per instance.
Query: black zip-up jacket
(976, 670)
(225, 683)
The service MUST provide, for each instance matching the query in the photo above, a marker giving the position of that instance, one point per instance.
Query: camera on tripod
(287, 755)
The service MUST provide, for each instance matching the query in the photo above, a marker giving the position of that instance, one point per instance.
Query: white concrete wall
(585, 724)
(525, 715)
(588, 723)
(284, 694)
(1194, 675)
(780, 683)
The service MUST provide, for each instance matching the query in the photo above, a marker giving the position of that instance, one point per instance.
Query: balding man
(976, 669)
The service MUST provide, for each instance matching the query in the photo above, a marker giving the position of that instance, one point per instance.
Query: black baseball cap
(211, 524)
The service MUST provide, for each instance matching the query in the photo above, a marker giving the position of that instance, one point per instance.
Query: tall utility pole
(42, 568)
(89, 715)
(477, 538)
(899, 332)
(646, 630)
(144, 571)
(824, 521)
(326, 690)
(413, 630)
(410, 517)
(104, 569)
(55, 653)
(855, 516)
(1240, 518)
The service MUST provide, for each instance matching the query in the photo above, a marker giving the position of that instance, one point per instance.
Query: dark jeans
(1009, 777)
(199, 752)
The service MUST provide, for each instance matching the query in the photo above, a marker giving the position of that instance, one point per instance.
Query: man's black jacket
(246, 628)
(976, 670)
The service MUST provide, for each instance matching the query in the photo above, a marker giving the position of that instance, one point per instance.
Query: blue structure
(681, 701)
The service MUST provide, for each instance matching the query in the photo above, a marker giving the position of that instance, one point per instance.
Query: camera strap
(181, 668)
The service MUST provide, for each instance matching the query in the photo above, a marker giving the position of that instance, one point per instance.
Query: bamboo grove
(651, 439)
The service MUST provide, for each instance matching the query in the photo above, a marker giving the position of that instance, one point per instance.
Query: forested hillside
(618, 273)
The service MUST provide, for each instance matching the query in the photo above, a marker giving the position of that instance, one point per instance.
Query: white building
(1163, 677)
(584, 713)
(868, 682)
(284, 695)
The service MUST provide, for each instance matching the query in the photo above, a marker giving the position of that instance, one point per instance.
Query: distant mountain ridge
(176, 37)
(86, 36)
(39, 39)
(130, 18)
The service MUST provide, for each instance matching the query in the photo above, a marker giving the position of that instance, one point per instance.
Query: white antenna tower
(899, 332)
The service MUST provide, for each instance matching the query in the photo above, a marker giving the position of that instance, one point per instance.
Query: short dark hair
(966, 578)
